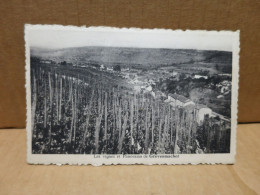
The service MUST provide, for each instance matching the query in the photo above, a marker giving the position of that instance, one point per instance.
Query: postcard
(104, 95)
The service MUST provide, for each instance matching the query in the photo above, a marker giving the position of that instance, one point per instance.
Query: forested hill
(131, 56)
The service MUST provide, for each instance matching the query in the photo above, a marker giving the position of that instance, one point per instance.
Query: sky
(57, 37)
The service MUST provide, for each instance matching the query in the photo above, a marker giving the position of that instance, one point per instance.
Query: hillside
(135, 56)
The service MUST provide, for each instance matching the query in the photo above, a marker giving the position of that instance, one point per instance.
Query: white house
(220, 96)
(179, 100)
(174, 73)
(46, 61)
(200, 76)
(229, 75)
(149, 88)
(202, 110)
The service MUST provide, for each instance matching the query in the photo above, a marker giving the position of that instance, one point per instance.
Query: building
(202, 111)
(110, 69)
(200, 76)
(149, 88)
(174, 73)
(125, 69)
(179, 100)
(170, 103)
(46, 61)
(227, 75)
(158, 95)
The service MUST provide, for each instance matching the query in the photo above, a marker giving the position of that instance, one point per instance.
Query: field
(77, 110)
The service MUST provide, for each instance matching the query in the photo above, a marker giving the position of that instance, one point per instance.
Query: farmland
(84, 110)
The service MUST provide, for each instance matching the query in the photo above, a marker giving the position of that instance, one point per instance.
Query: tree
(217, 67)
(35, 60)
(117, 68)
(182, 76)
(63, 63)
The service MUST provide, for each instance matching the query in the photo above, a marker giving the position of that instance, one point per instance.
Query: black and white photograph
(103, 95)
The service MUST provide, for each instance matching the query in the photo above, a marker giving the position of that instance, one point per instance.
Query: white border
(81, 159)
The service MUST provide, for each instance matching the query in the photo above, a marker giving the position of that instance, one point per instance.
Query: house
(142, 87)
(158, 95)
(199, 110)
(200, 76)
(170, 103)
(46, 61)
(228, 75)
(190, 108)
(174, 73)
(202, 111)
(125, 69)
(102, 67)
(179, 100)
(149, 88)
(220, 96)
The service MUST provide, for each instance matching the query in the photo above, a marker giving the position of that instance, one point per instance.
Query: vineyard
(80, 111)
